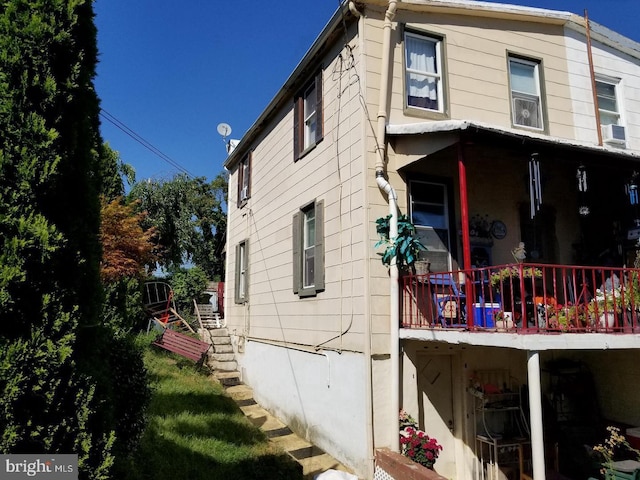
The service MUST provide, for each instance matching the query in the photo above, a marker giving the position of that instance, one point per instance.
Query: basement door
(435, 404)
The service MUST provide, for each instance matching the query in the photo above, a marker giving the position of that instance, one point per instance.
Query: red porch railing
(525, 298)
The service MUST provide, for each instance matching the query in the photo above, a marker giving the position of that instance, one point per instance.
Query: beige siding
(476, 51)
(331, 172)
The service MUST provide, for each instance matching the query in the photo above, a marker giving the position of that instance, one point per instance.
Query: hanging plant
(405, 247)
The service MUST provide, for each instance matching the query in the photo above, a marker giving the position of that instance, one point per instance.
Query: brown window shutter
(319, 112)
(249, 167)
(246, 271)
(319, 240)
(297, 140)
(239, 201)
(237, 298)
(297, 256)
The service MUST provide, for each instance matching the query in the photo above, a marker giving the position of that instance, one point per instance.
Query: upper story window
(608, 93)
(242, 272)
(526, 96)
(308, 250)
(307, 117)
(608, 102)
(244, 180)
(423, 65)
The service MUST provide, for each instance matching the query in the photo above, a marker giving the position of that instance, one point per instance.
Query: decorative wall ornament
(535, 184)
(581, 177)
(632, 189)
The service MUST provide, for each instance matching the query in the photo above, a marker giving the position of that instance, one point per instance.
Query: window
(423, 65)
(526, 99)
(308, 250)
(307, 117)
(430, 215)
(607, 102)
(244, 180)
(607, 91)
(242, 272)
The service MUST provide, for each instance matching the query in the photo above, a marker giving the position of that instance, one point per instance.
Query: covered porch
(531, 257)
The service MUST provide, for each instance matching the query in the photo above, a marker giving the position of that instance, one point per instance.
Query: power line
(145, 143)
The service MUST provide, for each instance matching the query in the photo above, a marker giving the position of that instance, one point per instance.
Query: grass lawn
(197, 432)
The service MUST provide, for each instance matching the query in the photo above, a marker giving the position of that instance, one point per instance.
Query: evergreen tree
(50, 295)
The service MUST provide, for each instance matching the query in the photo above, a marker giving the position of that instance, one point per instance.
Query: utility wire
(128, 131)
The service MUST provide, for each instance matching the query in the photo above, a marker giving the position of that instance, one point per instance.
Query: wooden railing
(525, 298)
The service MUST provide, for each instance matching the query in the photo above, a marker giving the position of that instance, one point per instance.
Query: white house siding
(609, 62)
(317, 394)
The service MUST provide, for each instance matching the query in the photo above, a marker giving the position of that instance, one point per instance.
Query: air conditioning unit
(526, 113)
(614, 134)
(244, 193)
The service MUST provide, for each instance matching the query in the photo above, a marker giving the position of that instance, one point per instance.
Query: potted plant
(614, 449)
(405, 247)
(511, 273)
(605, 306)
(416, 444)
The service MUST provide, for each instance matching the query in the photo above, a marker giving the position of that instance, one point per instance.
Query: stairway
(221, 359)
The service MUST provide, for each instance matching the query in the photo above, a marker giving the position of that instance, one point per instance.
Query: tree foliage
(126, 248)
(188, 214)
(56, 389)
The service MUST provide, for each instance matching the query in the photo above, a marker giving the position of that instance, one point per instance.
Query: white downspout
(383, 184)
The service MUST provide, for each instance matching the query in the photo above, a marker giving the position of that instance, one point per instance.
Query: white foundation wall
(319, 395)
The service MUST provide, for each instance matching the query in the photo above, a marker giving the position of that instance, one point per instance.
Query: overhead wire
(145, 143)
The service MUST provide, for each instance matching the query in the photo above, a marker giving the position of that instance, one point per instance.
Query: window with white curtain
(423, 64)
(526, 99)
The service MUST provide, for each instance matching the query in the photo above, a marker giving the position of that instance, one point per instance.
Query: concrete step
(221, 340)
(222, 357)
(229, 378)
(219, 332)
(223, 348)
(226, 366)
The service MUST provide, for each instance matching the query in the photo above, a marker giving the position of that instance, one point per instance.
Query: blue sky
(172, 71)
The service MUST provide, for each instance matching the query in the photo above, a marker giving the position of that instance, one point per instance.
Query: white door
(435, 404)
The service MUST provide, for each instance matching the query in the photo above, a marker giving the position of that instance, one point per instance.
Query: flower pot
(607, 320)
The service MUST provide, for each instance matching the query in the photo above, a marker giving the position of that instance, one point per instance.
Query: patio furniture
(449, 300)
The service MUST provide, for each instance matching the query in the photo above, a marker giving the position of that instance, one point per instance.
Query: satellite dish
(224, 129)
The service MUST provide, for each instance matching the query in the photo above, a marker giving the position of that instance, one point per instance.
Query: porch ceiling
(445, 133)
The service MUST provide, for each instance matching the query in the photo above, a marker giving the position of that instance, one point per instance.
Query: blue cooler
(483, 314)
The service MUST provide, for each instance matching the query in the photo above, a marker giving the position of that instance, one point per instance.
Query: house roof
(472, 125)
(331, 30)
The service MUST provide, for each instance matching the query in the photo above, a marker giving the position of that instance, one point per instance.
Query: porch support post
(535, 415)
(464, 214)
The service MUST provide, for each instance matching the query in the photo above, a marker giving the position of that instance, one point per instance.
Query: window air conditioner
(614, 134)
(244, 193)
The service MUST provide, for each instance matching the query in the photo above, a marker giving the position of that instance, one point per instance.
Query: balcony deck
(523, 303)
